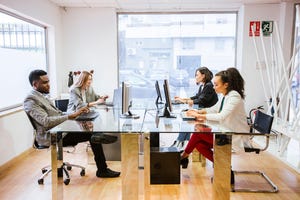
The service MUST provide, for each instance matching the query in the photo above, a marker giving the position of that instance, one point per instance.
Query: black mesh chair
(62, 104)
(47, 169)
(262, 124)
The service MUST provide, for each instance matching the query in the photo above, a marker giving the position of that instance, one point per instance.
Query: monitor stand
(129, 115)
(167, 113)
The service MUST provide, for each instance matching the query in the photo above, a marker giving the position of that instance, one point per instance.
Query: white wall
(246, 52)
(15, 129)
(90, 42)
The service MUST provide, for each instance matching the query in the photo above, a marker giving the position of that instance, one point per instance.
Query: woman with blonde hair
(82, 93)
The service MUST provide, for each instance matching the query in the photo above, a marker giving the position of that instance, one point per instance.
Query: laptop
(115, 99)
(185, 117)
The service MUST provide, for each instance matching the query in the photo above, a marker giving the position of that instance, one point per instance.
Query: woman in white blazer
(229, 111)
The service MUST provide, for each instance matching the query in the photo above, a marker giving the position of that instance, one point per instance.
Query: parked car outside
(141, 86)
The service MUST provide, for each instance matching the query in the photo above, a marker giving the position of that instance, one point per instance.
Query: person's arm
(206, 96)
(94, 99)
(48, 118)
(78, 112)
(37, 111)
(76, 101)
(182, 100)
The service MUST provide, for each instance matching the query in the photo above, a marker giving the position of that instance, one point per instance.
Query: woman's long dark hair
(208, 74)
(234, 79)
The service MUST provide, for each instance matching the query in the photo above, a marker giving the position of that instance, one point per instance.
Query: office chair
(47, 169)
(62, 104)
(262, 124)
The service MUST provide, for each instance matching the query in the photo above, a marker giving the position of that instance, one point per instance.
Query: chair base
(273, 190)
(63, 170)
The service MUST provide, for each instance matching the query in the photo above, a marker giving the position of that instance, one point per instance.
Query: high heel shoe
(175, 144)
(184, 162)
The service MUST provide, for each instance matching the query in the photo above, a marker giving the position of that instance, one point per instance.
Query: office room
(85, 35)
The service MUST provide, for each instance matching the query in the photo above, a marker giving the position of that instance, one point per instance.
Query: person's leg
(72, 139)
(206, 150)
(181, 137)
(195, 138)
(187, 136)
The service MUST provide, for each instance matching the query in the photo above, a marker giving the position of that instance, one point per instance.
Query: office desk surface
(132, 132)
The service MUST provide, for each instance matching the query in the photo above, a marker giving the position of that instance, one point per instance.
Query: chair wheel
(67, 181)
(41, 181)
(44, 171)
(82, 173)
(69, 168)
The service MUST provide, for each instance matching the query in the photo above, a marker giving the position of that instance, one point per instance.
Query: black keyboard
(175, 102)
(88, 116)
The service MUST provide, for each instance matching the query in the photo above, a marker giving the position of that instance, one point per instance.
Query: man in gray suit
(46, 116)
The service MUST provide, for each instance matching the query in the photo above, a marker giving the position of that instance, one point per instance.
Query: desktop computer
(164, 165)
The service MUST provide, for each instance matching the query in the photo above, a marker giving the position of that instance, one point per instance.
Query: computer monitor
(158, 94)
(127, 102)
(168, 105)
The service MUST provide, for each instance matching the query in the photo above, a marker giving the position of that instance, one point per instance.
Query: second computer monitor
(159, 98)
(127, 101)
(168, 105)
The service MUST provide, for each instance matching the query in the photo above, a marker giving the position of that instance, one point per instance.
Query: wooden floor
(19, 181)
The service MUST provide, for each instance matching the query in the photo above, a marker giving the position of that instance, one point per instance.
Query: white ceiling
(156, 5)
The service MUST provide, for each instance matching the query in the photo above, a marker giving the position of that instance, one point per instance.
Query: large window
(296, 69)
(172, 46)
(22, 48)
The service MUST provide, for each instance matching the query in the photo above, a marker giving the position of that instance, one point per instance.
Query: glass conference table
(131, 130)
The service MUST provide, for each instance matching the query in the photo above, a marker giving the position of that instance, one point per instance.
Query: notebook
(185, 117)
(88, 116)
(176, 102)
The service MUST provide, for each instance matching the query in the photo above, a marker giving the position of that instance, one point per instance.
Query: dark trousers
(72, 139)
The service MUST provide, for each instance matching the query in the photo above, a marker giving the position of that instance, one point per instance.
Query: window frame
(36, 23)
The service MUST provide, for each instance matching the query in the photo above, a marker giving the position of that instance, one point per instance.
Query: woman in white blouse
(229, 111)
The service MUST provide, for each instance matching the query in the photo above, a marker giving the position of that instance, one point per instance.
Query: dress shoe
(108, 173)
(176, 142)
(184, 162)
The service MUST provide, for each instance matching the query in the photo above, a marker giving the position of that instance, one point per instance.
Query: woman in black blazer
(206, 97)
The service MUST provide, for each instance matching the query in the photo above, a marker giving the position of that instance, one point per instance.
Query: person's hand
(179, 99)
(100, 100)
(78, 112)
(192, 113)
(105, 97)
(200, 117)
(190, 103)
